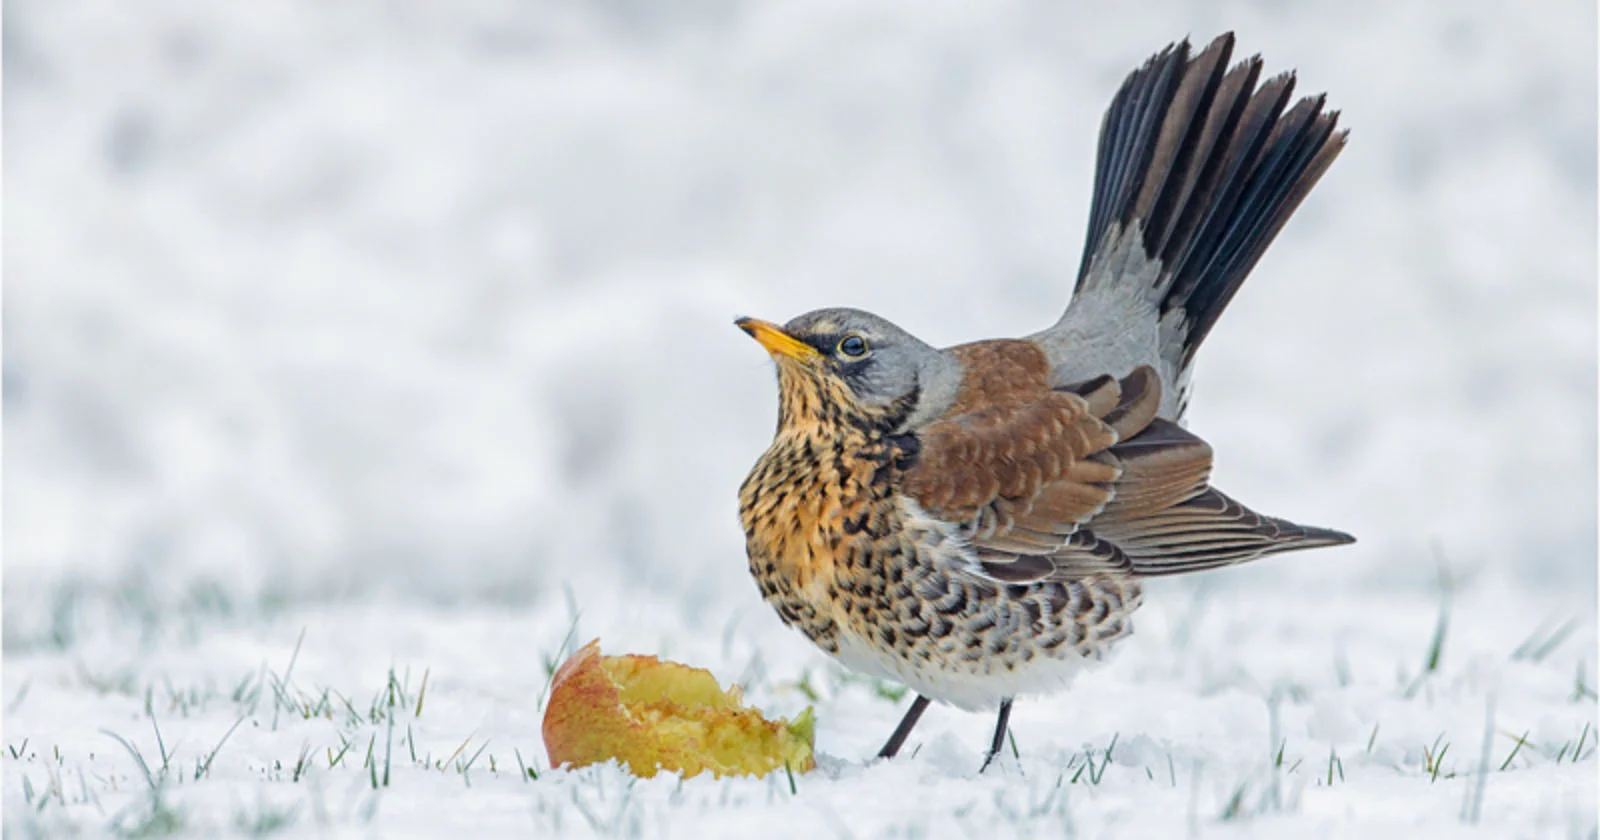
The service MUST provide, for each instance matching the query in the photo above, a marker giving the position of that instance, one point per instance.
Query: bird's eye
(853, 346)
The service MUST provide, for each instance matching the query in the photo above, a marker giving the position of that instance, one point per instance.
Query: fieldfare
(975, 522)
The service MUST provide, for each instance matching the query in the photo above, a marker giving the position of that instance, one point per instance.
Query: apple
(652, 715)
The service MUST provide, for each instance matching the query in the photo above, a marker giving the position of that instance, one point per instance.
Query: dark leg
(907, 723)
(1000, 728)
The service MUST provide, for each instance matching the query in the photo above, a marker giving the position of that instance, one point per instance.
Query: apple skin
(652, 715)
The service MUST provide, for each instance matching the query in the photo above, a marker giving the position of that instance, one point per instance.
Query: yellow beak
(778, 343)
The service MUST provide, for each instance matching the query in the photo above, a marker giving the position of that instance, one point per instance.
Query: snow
(406, 327)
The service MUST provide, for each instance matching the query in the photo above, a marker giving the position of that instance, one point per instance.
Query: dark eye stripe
(824, 343)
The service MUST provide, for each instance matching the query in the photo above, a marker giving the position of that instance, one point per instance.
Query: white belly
(974, 686)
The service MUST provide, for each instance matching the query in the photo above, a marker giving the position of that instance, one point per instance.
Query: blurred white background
(433, 301)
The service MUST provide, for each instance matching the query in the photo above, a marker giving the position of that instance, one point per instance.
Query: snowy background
(348, 343)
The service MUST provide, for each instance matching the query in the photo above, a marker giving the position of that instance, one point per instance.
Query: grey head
(884, 368)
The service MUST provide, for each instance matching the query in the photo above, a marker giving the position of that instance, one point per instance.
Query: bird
(976, 522)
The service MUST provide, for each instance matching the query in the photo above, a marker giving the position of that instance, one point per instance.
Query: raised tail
(1198, 170)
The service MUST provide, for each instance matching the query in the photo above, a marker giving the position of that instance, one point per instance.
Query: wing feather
(1085, 480)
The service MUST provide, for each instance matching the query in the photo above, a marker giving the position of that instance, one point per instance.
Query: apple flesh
(652, 715)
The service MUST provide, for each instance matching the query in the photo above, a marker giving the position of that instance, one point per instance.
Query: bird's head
(845, 367)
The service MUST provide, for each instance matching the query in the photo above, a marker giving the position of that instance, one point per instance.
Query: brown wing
(1085, 480)
(1024, 475)
(996, 460)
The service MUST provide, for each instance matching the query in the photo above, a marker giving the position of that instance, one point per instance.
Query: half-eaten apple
(652, 715)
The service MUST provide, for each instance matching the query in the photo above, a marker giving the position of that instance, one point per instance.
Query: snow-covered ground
(349, 340)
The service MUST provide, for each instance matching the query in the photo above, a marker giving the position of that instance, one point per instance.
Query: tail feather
(1136, 114)
(1207, 167)
(1207, 532)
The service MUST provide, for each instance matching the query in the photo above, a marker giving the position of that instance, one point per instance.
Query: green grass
(1234, 808)
(1433, 758)
(167, 755)
(1581, 690)
(265, 695)
(22, 694)
(1435, 652)
(551, 663)
(1095, 771)
(1573, 751)
(1472, 801)
(151, 817)
(202, 767)
(523, 769)
(266, 820)
(1522, 741)
(1539, 644)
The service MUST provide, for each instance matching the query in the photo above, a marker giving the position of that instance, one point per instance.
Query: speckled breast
(818, 514)
(846, 561)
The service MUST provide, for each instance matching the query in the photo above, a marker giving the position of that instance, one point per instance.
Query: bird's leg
(1000, 728)
(907, 723)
